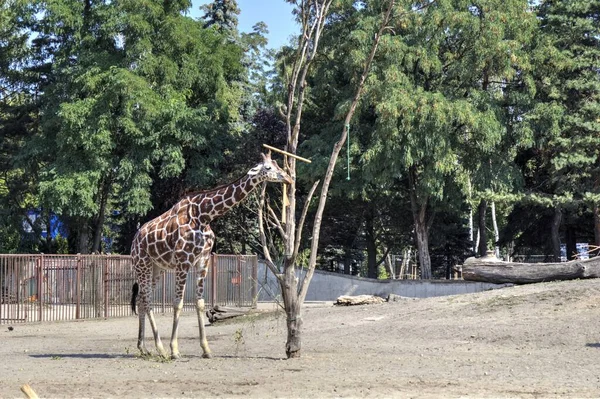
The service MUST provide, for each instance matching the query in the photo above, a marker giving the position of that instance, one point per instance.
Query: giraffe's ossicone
(181, 239)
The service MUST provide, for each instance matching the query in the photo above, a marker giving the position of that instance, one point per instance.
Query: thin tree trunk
(482, 249)
(422, 236)
(371, 245)
(83, 235)
(571, 241)
(406, 255)
(471, 228)
(347, 261)
(419, 211)
(97, 237)
(597, 226)
(496, 232)
(555, 233)
(391, 266)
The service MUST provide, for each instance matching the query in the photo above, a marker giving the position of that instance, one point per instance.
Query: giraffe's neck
(216, 203)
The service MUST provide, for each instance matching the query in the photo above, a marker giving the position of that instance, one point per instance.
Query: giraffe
(180, 239)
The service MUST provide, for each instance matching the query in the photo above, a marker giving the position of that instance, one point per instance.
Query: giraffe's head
(270, 171)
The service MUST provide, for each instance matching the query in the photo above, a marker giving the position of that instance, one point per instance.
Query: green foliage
(109, 110)
(564, 119)
(131, 93)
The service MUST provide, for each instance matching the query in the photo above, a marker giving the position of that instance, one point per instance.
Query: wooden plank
(289, 154)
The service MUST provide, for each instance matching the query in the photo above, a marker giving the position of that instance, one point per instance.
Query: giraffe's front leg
(180, 280)
(200, 310)
(142, 329)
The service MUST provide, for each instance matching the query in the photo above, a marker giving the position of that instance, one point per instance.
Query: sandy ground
(534, 341)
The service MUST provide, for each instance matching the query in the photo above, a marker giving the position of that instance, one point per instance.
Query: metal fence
(35, 288)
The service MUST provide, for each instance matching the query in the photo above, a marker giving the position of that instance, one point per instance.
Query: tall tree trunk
(482, 250)
(471, 228)
(99, 225)
(571, 241)
(555, 233)
(390, 266)
(347, 261)
(371, 245)
(99, 220)
(83, 235)
(597, 227)
(293, 309)
(419, 211)
(496, 232)
(422, 236)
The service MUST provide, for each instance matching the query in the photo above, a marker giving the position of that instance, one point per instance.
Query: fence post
(40, 283)
(105, 285)
(164, 292)
(254, 281)
(78, 288)
(238, 270)
(213, 279)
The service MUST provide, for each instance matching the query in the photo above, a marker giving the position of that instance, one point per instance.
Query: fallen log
(218, 313)
(347, 300)
(491, 270)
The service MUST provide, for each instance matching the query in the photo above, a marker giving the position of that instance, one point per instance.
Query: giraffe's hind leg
(200, 311)
(143, 298)
(146, 288)
(180, 280)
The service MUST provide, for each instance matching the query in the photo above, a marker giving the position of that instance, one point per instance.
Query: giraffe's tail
(134, 293)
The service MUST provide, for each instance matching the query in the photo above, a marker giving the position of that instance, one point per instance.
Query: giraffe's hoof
(207, 355)
(175, 356)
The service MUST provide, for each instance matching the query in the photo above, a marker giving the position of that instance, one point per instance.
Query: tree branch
(263, 237)
(334, 155)
(303, 218)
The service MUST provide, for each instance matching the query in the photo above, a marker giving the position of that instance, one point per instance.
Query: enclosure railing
(35, 288)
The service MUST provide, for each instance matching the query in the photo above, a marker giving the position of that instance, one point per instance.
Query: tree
(313, 17)
(563, 121)
(222, 15)
(135, 91)
(19, 88)
(435, 96)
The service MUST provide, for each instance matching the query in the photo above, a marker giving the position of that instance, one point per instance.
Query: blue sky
(277, 14)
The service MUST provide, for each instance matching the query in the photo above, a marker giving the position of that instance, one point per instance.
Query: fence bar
(213, 280)
(78, 287)
(105, 284)
(254, 282)
(40, 278)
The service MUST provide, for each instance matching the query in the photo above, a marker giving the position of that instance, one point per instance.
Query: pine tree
(222, 15)
(563, 168)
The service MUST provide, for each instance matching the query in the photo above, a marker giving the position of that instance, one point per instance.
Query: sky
(277, 14)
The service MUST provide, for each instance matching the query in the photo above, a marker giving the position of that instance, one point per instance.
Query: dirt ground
(534, 341)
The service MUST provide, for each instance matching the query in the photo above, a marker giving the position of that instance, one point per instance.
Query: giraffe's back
(175, 237)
